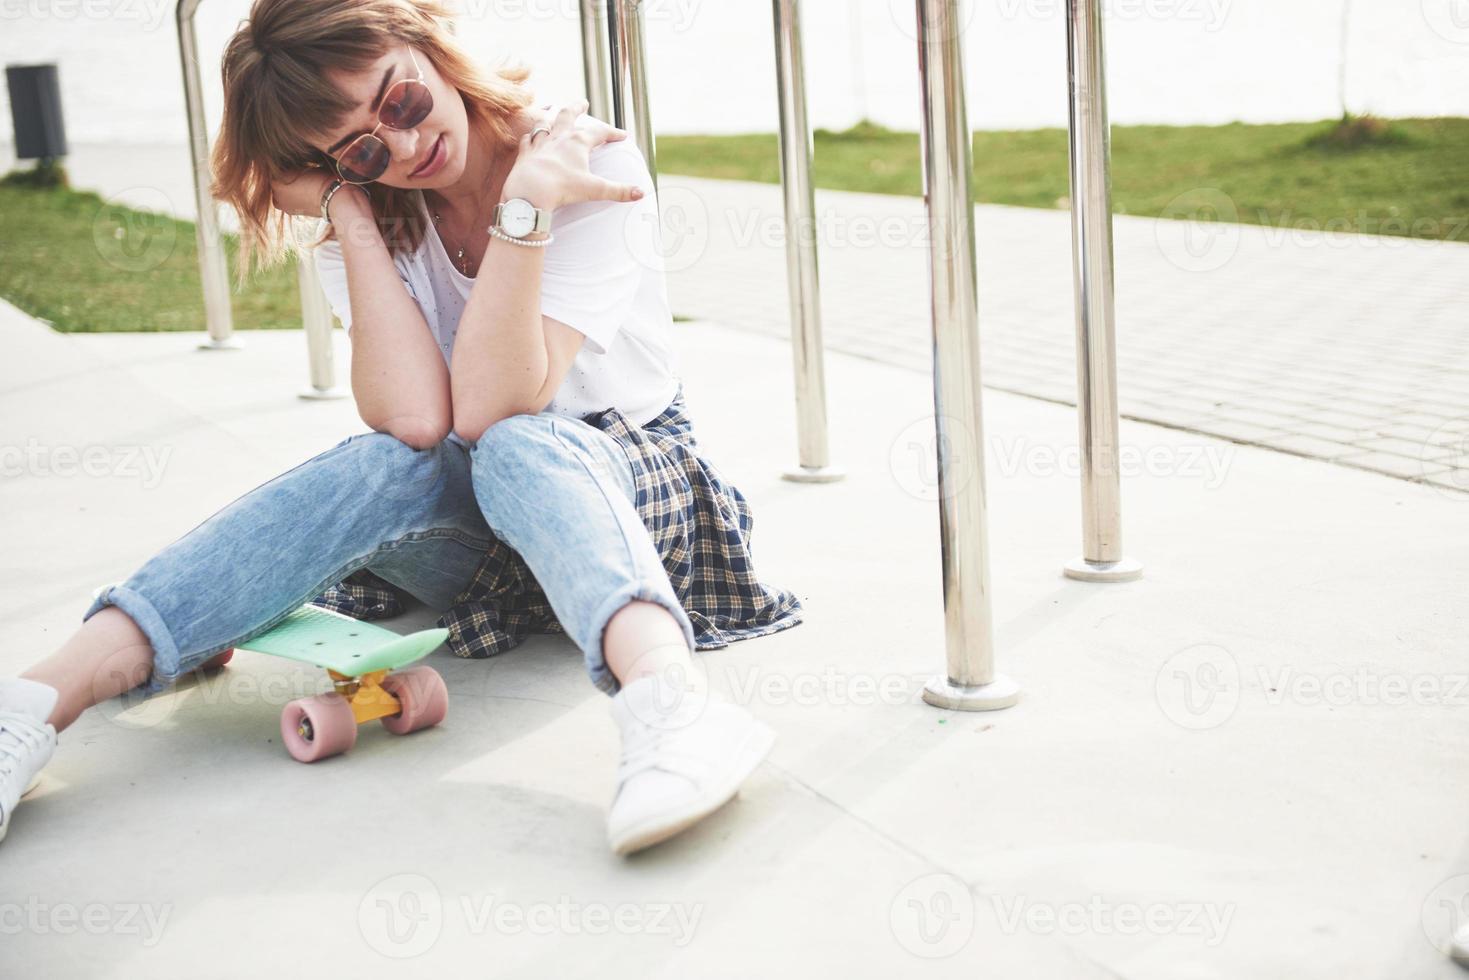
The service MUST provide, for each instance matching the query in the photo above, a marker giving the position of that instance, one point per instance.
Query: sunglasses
(405, 104)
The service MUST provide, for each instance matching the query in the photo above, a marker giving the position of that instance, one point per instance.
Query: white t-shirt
(602, 276)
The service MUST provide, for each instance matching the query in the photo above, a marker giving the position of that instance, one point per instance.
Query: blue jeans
(558, 490)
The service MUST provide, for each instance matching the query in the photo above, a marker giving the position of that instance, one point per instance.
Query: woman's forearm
(500, 362)
(399, 379)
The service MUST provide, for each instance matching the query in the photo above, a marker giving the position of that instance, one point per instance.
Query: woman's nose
(403, 144)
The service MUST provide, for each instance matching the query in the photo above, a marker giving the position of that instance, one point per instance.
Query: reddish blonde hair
(278, 97)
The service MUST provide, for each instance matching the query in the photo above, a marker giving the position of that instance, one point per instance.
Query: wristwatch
(518, 218)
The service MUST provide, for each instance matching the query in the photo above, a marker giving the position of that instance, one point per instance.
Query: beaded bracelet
(542, 243)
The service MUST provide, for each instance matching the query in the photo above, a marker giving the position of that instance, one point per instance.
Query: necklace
(459, 254)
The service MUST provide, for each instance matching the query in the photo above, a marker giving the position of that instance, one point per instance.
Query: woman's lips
(436, 159)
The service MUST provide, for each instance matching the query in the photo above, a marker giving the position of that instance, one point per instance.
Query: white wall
(1170, 61)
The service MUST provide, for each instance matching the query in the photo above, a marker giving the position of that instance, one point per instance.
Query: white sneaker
(26, 740)
(683, 757)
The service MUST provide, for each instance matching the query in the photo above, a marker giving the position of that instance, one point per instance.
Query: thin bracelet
(326, 198)
(497, 233)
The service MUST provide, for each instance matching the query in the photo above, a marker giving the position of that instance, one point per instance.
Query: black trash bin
(35, 110)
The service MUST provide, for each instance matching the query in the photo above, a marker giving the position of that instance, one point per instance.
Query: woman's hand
(552, 170)
(299, 192)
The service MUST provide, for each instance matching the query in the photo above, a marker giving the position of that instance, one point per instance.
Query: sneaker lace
(19, 735)
(654, 747)
(645, 751)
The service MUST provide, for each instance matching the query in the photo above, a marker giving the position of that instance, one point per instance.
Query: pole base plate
(228, 343)
(999, 693)
(323, 394)
(814, 474)
(1126, 570)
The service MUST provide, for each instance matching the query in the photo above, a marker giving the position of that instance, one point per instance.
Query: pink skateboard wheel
(318, 728)
(423, 695)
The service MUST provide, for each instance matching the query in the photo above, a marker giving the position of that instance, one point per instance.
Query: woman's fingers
(602, 189)
(566, 118)
(598, 132)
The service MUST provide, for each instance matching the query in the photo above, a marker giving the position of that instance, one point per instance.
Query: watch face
(518, 217)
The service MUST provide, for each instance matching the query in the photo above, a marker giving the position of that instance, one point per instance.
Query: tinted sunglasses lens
(406, 104)
(365, 160)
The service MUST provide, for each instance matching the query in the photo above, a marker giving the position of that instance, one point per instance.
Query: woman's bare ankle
(107, 656)
(642, 639)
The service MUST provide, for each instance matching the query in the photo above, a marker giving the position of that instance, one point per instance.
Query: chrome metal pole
(628, 50)
(212, 266)
(803, 282)
(971, 682)
(316, 317)
(1102, 559)
(594, 40)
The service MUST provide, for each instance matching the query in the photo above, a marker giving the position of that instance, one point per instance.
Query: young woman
(497, 267)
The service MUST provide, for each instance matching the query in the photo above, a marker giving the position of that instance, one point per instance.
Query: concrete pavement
(1250, 763)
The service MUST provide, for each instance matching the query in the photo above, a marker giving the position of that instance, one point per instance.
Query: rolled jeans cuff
(166, 665)
(648, 591)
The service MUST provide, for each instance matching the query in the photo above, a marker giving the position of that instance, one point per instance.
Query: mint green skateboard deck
(312, 635)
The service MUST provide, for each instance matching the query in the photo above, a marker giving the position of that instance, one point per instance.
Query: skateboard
(363, 661)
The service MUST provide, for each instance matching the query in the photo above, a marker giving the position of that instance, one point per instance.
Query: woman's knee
(382, 462)
(514, 444)
(551, 452)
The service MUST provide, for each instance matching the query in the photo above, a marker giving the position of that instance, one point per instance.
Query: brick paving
(1347, 348)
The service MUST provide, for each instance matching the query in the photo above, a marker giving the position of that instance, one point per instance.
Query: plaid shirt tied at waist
(700, 524)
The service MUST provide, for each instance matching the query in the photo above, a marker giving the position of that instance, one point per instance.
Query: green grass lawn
(1411, 178)
(84, 265)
